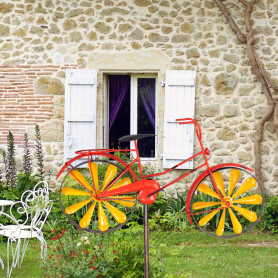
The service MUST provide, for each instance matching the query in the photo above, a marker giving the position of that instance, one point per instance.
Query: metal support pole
(146, 240)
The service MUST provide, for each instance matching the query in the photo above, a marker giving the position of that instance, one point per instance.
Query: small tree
(27, 163)
(39, 153)
(11, 172)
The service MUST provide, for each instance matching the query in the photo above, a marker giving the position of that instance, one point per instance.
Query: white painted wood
(80, 111)
(134, 109)
(179, 103)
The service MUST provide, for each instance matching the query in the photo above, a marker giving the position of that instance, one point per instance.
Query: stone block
(4, 30)
(231, 111)
(102, 28)
(124, 27)
(137, 34)
(180, 38)
(74, 13)
(69, 24)
(75, 36)
(192, 53)
(52, 131)
(46, 85)
(244, 156)
(155, 37)
(232, 58)
(142, 3)
(225, 83)
(210, 110)
(226, 134)
(6, 7)
(187, 28)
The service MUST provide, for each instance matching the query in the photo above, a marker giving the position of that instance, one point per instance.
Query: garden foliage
(12, 182)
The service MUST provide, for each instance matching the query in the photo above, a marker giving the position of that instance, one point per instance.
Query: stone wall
(43, 38)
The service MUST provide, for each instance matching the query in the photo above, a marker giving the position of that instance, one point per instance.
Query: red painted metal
(146, 187)
(149, 188)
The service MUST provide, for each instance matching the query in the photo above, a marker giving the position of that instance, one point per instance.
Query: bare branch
(231, 21)
(275, 119)
(257, 144)
(244, 2)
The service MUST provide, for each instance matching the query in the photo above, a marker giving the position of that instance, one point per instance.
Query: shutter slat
(179, 103)
(81, 118)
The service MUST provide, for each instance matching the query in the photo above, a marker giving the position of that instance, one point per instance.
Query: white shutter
(179, 103)
(80, 111)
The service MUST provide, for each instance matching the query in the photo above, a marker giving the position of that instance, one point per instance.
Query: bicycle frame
(149, 188)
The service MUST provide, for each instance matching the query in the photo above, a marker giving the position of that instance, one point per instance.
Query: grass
(197, 255)
(194, 254)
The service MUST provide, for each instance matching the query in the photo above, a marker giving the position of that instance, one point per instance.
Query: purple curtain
(146, 88)
(119, 86)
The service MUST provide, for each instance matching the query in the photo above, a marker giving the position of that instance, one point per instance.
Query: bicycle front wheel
(238, 188)
(82, 184)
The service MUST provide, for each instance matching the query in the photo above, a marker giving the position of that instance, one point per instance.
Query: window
(132, 110)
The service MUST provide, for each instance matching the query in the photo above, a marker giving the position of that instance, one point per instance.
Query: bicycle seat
(135, 137)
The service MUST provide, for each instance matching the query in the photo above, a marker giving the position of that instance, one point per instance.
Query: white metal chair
(34, 207)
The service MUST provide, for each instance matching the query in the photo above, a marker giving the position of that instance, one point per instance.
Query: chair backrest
(34, 206)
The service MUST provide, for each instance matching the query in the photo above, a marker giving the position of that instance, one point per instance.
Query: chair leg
(43, 246)
(15, 255)
(23, 251)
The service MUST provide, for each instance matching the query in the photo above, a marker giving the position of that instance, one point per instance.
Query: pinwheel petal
(205, 189)
(121, 183)
(203, 221)
(220, 228)
(236, 225)
(86, 219)
(71, 191)
(219, 182)
(200, 205)
(248, 214)
(126, 201)
(247, 185)
(76, 175)
(234, 176)
(252, 200)
(119, 216)
(74, 208)
(110, 174)
(103, 224)
(94, 172)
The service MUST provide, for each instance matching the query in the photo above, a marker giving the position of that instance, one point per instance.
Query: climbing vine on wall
(245, 34)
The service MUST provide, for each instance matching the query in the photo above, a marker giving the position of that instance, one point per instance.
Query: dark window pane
(146, 116)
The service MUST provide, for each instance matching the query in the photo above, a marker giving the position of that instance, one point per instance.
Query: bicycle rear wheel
(240, 189)
(79, 201)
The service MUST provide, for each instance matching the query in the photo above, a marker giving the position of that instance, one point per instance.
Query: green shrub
(74, 253)
(269, 219)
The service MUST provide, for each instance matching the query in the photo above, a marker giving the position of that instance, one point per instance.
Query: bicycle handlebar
(186, 121)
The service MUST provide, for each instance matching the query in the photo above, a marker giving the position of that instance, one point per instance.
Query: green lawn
(194, 254)
(197, 255)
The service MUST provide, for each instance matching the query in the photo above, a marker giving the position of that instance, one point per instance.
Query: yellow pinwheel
(238, 206)
(98, 214)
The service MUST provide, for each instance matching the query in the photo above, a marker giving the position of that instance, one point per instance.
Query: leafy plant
(27, 163)
(269, 219)
(39, 153)
(74, 253)
(11, 172)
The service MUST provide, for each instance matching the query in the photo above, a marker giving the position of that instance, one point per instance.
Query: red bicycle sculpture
(224, 201)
